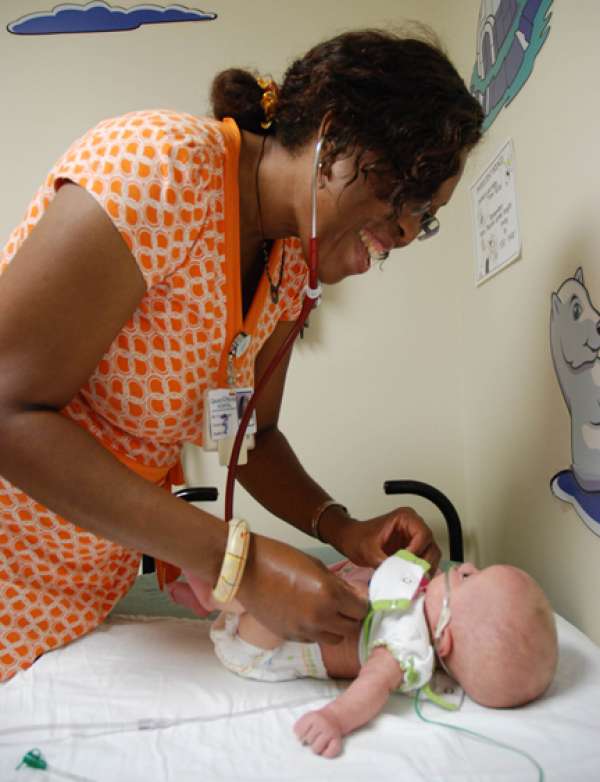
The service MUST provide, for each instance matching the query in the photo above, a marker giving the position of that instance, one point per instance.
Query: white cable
(144, 724)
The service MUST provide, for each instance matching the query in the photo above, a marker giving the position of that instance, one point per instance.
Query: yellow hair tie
(269, 100)
(234, 561)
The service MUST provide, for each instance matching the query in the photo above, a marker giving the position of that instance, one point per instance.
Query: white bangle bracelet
(314, 524)
(234, 561)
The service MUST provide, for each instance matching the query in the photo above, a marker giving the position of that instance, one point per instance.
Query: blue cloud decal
(99, 17)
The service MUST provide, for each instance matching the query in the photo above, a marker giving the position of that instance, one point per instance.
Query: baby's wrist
(331, 713)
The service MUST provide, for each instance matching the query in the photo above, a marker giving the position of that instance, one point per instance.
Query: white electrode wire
(144, 724)
(162, 723)
(67, 775)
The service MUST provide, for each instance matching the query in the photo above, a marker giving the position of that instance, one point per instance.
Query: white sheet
(131, 669)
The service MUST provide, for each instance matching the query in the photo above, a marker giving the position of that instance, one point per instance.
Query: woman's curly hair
(399, 98)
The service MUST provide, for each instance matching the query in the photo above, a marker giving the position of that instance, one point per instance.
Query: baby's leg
(197, 595)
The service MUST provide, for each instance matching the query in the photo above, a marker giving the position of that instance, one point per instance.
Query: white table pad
(164, 668)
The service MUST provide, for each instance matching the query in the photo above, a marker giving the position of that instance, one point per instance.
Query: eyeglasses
(430, 226)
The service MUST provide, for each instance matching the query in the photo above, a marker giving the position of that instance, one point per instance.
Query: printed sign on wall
(575, 347)
(101, 17)
(510, 34)
(496, 225)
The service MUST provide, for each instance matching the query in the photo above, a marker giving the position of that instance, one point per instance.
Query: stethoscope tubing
(311, 299)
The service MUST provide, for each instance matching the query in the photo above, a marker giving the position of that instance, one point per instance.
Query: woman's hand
(369, 543)
(296, 596)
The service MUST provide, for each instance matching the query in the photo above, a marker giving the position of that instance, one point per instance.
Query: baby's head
(500, 643)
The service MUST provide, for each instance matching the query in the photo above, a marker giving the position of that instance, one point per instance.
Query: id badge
(223, 411)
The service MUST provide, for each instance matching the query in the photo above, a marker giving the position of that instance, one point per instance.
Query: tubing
(311, 299)
(307, 306)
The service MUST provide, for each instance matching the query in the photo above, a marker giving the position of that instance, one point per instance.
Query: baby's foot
(321, 732)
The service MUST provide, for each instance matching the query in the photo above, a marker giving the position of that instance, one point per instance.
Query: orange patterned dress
(169, 182)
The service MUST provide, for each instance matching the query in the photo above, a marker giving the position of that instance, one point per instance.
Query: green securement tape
(396, 604)
(411, 676)
(436, 698)
(407, 556)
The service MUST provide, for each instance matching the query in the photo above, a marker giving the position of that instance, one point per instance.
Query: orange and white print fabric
(168, 181)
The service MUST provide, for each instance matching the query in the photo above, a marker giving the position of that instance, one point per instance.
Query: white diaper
(291, 660)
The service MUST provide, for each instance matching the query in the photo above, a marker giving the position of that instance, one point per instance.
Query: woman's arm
(274, 475)
(63, 299)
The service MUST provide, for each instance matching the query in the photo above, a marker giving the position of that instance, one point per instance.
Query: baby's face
(500, 642)
(468, 584)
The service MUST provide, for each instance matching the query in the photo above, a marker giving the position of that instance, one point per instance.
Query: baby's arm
(365, 697)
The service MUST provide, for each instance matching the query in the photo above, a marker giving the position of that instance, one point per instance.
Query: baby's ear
(444, 646)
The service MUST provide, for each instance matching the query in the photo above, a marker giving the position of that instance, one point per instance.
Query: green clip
(33, 759)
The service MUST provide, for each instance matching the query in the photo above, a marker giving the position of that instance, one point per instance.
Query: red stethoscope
(312, 296)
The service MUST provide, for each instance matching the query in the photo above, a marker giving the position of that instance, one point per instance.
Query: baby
(493, 631)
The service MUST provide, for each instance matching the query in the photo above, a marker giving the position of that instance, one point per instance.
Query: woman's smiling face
(356, 227)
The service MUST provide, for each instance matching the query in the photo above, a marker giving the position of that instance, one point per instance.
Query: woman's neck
(267, 191)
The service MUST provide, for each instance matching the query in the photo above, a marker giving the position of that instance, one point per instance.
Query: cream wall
(516, 425)
(409, 372)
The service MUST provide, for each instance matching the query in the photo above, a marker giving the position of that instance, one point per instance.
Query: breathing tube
(312, 295)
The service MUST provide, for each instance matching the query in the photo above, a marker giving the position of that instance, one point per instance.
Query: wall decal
(100, 17)
(510, 34)
(575, 346)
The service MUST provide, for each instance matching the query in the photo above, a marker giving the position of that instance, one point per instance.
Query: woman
(153, 242)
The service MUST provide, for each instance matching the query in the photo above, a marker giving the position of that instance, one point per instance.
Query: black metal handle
(189, 494)
(442, 502)
(198, 494)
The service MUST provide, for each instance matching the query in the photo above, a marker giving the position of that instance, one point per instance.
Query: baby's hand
(321, 731)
